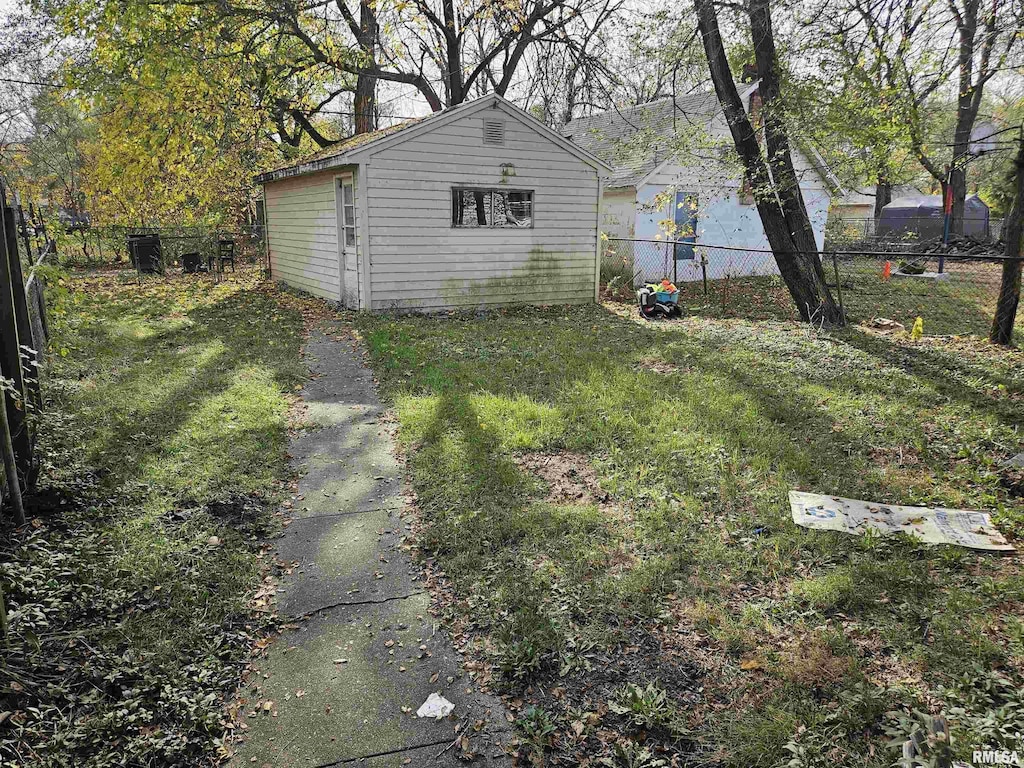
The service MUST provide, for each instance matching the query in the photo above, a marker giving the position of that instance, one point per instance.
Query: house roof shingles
(627, 138)
(635, 141)
(337, 154)
(334, 151)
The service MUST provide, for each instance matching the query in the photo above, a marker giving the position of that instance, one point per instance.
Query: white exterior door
(346, 199)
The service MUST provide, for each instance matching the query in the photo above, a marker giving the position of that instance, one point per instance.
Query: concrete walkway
(343, 686)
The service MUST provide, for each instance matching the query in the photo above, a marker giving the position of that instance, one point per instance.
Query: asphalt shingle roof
(343, 146)
(627, 139)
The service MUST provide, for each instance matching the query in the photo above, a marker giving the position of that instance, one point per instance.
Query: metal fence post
(839, 286)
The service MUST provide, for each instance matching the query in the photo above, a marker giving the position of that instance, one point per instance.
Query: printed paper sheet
(933, 525)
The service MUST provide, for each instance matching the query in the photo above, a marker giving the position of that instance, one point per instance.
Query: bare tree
(569, 69)
(447, 51)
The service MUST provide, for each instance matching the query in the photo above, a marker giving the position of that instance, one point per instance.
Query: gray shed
(923, 215)
(478, 205)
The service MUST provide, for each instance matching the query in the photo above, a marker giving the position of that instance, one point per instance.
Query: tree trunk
(968, 102)
(365, 100)
(780, 160)
(958, 174)
(779, 201)
(453, 74)
(883, 196)
(1009, 287)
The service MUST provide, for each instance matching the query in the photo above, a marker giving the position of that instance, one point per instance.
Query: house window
(477, 207)
(494, 132)
(348, 213)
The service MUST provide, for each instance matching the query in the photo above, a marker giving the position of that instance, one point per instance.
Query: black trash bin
(145, 253)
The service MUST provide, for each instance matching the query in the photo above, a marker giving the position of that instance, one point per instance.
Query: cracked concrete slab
(342, 686)
(347, 685)
(352, 558)
(331, 414)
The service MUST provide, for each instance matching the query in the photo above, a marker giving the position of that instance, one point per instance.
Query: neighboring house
(478, 205)
(657, 192)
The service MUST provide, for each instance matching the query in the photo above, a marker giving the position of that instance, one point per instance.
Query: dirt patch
(1012, 478)
(660, 366)
(587, 731)
(895, 456)
(568, 477)
(882, 326)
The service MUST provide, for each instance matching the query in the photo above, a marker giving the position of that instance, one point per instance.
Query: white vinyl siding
(303, 233)
(419, 261)
(723, 216)
(303, 227)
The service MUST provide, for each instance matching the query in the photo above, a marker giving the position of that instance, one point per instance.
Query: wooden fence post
(26, 340)
(10, 463)
(23, 224)
(10, 352)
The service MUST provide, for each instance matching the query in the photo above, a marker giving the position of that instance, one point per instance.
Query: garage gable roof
(357, 148)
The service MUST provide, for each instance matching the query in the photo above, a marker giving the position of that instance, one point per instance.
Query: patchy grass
(679, 611)
(163, 440)
(963, 304)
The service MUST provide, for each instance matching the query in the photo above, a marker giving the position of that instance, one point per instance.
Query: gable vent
(494, 132)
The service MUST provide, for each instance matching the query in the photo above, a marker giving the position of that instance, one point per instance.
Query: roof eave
(304, 169)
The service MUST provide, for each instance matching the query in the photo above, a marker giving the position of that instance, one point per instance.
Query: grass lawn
(962, 304)
(131, 594)
(607, 502)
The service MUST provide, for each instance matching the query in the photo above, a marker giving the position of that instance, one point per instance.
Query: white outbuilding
(478, 205)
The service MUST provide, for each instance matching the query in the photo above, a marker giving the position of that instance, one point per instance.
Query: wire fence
(105, 245)
(843, 231)
(952, 293)
(24, 334)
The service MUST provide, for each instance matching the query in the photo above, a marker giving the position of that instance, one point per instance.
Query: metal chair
(225, 255)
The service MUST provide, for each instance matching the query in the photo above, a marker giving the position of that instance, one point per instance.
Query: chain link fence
(104, 245)
(843, 231)
(952, 293)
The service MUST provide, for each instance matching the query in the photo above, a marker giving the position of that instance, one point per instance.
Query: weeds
(646, 707)
(629, 754)
(163, 444)
(803, 637)
(538, 728)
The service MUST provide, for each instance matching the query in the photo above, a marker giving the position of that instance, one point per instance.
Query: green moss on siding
(543, 274)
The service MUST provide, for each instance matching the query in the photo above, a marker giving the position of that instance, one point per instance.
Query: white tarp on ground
(933, 525)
